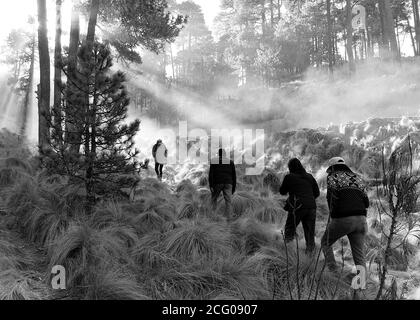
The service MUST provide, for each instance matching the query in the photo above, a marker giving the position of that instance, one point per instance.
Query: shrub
(244, 201)
(19, 279)
(150, 188)
(82, 249)
(148, 253)
(249, 235)
(290, 277)
(236, 277)
(186, 189)
(272, 181)
(269, 215)
(197, 241)
(113, 284)
(150, 221)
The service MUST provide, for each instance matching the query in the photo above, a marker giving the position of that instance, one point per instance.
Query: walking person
(222, 179)
(348, 203)
(160, 154)
(301, 206)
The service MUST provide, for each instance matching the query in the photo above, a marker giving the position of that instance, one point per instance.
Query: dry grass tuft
(198, 241)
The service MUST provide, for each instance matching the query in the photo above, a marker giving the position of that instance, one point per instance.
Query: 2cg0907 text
(231, 309)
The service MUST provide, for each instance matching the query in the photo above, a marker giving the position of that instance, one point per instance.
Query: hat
(335, 161)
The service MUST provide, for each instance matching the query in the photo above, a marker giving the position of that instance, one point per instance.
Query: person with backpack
(160, 154)
(348, 203)
(301, 206)
(222, 179)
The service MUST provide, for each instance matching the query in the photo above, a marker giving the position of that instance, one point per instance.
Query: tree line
(271, 41)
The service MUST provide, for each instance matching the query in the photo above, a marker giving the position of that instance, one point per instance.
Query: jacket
(222, 171)
(302, 189)
(346, 193)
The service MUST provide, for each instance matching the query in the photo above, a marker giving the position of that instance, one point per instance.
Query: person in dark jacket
(222, 179)
(301, 205)
(347, 201)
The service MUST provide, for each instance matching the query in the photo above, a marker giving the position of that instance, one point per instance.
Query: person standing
(222, 179)
(301, 205)
(348, 203)
(160, 154)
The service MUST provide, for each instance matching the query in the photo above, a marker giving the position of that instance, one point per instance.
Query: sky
(15, 13)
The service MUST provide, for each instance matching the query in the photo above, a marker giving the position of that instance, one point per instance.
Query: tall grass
(290, 274)
(166, 244)
(42, 211)
(19, 275)
(249, 235)
(198, 242)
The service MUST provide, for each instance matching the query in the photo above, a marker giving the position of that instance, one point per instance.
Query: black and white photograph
(210, 158)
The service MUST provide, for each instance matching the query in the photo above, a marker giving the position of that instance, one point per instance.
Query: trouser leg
(336, 229)
(308, 223)
(293, 220)
(157, 169)
(357, 243)
(215, 196)
(227, 194)
(161, 171)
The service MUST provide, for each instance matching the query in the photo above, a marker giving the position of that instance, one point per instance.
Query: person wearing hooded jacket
(348, 203)
(301, 206)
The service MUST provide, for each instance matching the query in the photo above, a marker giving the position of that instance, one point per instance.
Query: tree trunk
(74, 39)
(93, 19)
(329, 38)
(44, 92)
(263, 18)
(172, 62)
(272, 14)
(28, 93)
(398, 38)
(90, 40)
(369, 43)
(384, 45)
(90, 133)
(390, 31)
(57, 69)
(415, 4)
(71, 128)
(188, 72)
(413, 41)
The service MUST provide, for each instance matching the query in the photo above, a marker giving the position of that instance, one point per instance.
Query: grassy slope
(167, 244)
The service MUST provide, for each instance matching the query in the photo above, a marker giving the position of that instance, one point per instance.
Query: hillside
(168, 244)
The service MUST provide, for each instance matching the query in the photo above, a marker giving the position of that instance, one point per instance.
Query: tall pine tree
(107, 161)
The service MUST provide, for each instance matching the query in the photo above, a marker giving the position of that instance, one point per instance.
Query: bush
(83, 250)
(249, 235)
(19, 279)
(113, 284)
(197, 242)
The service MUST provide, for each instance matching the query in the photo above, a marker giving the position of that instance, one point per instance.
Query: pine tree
(107, 161)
